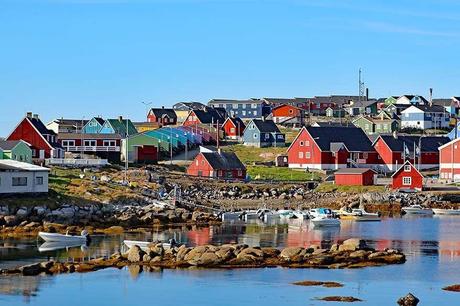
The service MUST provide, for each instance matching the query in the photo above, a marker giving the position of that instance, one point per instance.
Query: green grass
(281, 174)
(249, 155)
(329, 187)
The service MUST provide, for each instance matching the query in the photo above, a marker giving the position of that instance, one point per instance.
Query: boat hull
(447, 212)
(325, 222)
(54, 237)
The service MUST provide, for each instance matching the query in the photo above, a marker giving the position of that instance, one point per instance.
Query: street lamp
(146, 104)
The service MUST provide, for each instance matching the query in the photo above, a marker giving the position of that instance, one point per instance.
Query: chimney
(120, 118)
(367, 94)
(29, 114)
(431, 96)
(36, 116)
(163, 107)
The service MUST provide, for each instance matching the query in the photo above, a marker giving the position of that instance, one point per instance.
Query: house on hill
(93, 126)
(421, 151)
(42, 141)
(182, 109)
(208, 116)
(425, 117)
(120, 126)
(332, 148)
(67, 125)
(373, 126)
(287, 114)
(449, 161)
(222, 165)
(233, 128)
(162, 116)
(244, 109)
(407, 177)
(18, 150)
(263, 133)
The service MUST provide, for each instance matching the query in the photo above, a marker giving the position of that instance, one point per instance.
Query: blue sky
(75, 58)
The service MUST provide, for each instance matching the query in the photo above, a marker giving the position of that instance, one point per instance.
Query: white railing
(76, 162)
(92, 149)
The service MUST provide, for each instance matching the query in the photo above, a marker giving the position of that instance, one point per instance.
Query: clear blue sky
(74, 58)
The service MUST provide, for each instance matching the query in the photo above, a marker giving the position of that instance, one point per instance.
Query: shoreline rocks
(227, 256)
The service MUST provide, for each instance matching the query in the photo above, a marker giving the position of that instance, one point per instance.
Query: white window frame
(300, 154)
(86, 141)
(111, 143)
(307, 155)
(301, 143)
(407, 180)
(407, 168)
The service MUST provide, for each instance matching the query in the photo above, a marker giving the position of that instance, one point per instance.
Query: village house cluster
(355, 136)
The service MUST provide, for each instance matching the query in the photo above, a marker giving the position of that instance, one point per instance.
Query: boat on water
(325, 221)
(58, 245)
(300, 214)
(285, 213)
(359, 215)
(231, 215)
(417, 210)
(449, 212)
(316, 212)
(56, 237)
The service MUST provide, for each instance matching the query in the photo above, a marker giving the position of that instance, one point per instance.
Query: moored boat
(56, 237)
(359, 215)
(325, 221)
(417, 210)
(450, 212)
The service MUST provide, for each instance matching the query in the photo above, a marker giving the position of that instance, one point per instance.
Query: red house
(225, 165)
(233, 128)
(42, 140)
(106, 146)
(419, 150)
(407, 177)
(332, 148)
(355, 176)
(288, 115)
(162, 116)
(449, 160)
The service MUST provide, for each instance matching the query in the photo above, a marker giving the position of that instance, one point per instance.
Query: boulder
(291, 253)
(408, 300)
(181, 252)
(31, 270)
(251, 254)
(22, 212)
(11, 220)
(360, 254)
(225, 253)
(135, 254)
(352, 244)
(196, 253)
(207, 259)
(157, 249)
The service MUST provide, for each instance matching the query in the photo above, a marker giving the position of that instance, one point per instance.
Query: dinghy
(417, 210)
(58, 245)
(450, 212)
(55, 237)
(324, 221)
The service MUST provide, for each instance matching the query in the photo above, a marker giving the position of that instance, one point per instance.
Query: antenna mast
(362, 89)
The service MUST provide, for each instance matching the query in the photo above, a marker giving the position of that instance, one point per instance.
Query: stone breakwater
(352, 253)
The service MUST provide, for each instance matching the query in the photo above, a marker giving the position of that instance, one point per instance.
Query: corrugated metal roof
(8, 164)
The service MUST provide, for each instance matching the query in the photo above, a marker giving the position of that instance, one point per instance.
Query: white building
(19, 177)
(425, 117)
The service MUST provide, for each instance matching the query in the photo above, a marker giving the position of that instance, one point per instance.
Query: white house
(19, 177)
(425, 117)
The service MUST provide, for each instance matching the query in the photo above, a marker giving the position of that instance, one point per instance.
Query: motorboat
(300, 214)
(270, 216)
(358, 214)
(145, 245)
(231, 215)
(251, 215)
(285, 213)
(449, 212)
(56, 237)
(316, 212)
(417, 210)
(325, 221)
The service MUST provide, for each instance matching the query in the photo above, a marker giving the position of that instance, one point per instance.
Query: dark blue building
(244, 109)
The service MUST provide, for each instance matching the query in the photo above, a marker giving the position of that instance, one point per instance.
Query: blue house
(263, 133)
(454, 134)
(93, 126)
(119, 126)
(425, 117)
(244, 109)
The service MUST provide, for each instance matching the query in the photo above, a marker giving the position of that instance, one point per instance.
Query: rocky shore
(352, 253)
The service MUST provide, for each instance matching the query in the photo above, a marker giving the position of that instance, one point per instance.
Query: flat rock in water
(348, 299)
(318, 283)
(453, 288)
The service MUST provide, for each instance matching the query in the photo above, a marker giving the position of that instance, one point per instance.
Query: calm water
(432, 246)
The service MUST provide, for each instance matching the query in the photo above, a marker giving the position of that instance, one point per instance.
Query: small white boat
(317, 212)
(449, 212)
(251, 215)
(417, 210)
(300, 214)
(285, 213)
(324, 221)
(55, 237)
(359, 215)
(144, 245)
(58, 245)
(270, 216)
(231, 215)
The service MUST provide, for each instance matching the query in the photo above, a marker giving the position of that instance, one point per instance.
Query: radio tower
(362, 88)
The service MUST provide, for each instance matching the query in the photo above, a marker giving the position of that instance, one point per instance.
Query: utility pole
(126, 152)
(361, 87)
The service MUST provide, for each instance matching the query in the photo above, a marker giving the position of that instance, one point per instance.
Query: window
(267, 136)
(300, 154)
(244, 113)
(109, 143)
(240, 172)
(232, 130)
(89, 143)
(307, 143)
(68, 143)
(255, 136)
(280, 137)
(197, 162)
(301, 143)
(365, 155)
(407, 180)
(407, 168)
(244, 105)
(39, 180)
(235, 106)
(19, 181)
(254, 105)
(307, 155)
(291, 111)
(248, 105)
(240, 106)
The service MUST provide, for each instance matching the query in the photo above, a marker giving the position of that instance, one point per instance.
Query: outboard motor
(85, 234)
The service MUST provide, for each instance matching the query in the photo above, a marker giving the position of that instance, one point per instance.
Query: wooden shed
(355, 176)
(407, 177)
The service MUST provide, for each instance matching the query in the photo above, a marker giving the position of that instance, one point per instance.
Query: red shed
(407, 177)
(355, 176)
(233, 128)
(217, 165)
(146, 154)
(449, 160)
(288, 114)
